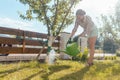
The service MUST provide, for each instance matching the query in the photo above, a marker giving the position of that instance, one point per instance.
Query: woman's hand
(70, 40)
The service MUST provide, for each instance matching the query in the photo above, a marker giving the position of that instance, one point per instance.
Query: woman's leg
(91, 41)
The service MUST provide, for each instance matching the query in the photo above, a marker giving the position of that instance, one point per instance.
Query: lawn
(61, 70)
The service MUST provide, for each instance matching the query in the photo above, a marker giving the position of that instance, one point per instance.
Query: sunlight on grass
(61, 70)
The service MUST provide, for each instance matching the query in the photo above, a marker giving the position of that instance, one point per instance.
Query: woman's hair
(80, 12)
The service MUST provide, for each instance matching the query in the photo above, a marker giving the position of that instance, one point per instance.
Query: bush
(115, 57)
(99, 58)
(105, 58)
(118, 54)
(83, 56)
(110, 58)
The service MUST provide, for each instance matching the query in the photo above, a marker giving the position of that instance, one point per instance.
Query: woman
(90, 31)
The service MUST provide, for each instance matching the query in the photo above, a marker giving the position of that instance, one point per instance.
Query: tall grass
(61, 70)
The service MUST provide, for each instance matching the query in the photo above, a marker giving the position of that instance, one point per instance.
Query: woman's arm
(74, 29)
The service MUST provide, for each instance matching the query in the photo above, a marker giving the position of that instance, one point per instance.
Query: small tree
(55, 14)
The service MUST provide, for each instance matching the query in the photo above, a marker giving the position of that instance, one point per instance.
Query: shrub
(83, 56)
(115, 57)
(110, 58)
(99, 57)
(118, 53)
(105, 58)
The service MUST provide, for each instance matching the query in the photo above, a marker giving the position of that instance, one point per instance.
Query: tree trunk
(51, 39)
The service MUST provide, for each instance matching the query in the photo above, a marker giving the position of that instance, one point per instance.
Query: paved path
(104, 54)
(16, 57)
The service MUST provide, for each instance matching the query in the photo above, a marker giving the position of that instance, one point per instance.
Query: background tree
(109, 33)
(117, 12)
(109, 45)
(55, 14)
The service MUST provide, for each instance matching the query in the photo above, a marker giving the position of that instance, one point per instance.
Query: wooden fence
(13, 41)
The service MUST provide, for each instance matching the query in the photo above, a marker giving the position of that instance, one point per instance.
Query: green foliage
(117, 13)
(110, 30)
(110, 58)
(99, 58)
(105, 58)
(109, 45)
(118, 53)
(72, 49)
(34, 64)
(83, 56)
(55, 14)
(115, 57)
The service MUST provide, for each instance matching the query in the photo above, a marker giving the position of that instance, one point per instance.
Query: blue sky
(8, 8)
(9, 16)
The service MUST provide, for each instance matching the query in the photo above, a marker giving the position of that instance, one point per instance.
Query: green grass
(61, 70)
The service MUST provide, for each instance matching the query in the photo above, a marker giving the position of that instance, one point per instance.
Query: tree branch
(56, 13)
(45, 15)
(59, 29)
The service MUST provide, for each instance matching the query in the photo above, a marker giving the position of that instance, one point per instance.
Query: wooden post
(23, 41)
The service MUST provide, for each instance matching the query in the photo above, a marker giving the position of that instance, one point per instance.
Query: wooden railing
(21, 41)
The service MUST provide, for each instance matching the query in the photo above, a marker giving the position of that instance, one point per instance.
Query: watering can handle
(69, 41)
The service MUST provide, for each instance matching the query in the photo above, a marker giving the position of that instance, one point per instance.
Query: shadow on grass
(54, 69)
(33, 75)
(116, 69)
(117, 61)
(77, 75)
(6, 72)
